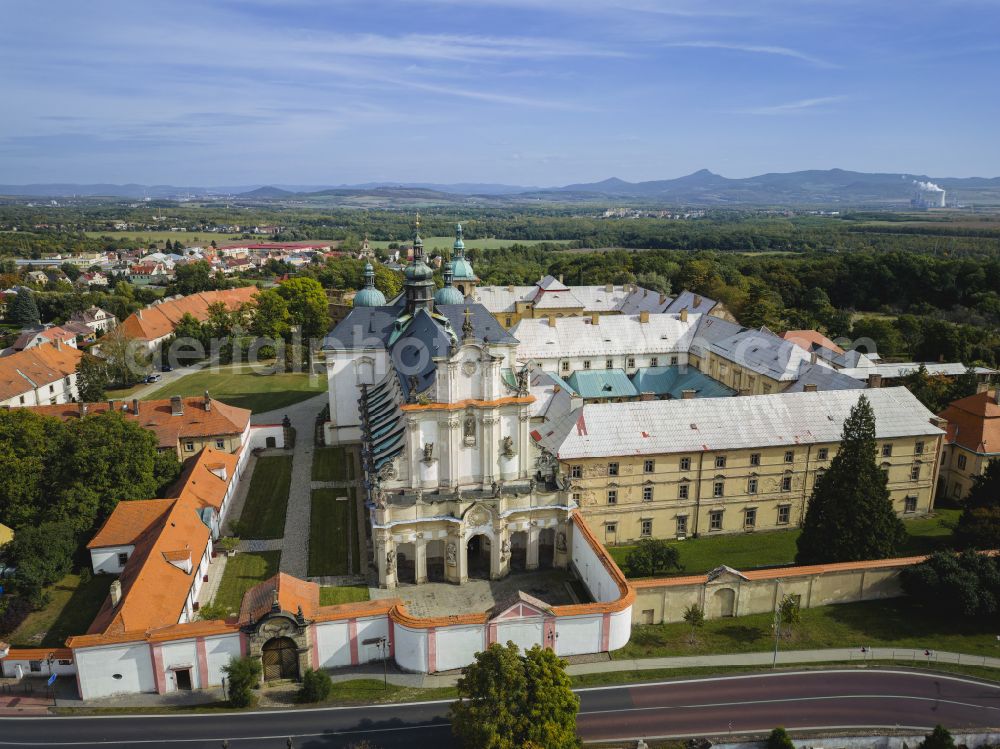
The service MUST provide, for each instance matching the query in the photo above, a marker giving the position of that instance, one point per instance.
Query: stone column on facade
(442, 451)
(499, 559)
(414, 451)
(454, 433)
(532, 557)
(463, 558)
(454, 557)
(489, 449)
(420, 559)
(452, 394)
(383, 547)
(523, 467)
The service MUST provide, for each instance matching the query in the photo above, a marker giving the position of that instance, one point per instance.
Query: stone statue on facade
(561, 541)
(451, 554)
(428, 452)
(378, 497)
(507, 447)
(497, 487)
(390, 562)
(523, 380)
(469, 429)
(505, 550)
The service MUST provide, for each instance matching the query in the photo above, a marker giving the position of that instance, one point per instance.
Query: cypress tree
(850, 516)
(23, 310)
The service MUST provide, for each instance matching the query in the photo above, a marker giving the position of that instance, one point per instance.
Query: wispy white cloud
(757, 49)
(792, 107)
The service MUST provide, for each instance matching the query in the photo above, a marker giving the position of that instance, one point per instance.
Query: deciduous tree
(42, 555)
(91, 379)
(850, 516)
(307, 306)
(979, 524)
(652, 556)
(242, 677)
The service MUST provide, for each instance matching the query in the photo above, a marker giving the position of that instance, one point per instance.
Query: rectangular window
(612, 469)
(685, 464)
(961, 462)
(755, 459)
(915, 473)
(956, 490)
(823, 453)
(189, 446)
(910, 504)
(784, 514)
(586, 364)
(715, 520)
(565, 366)
(719, 489)
(646, 528)
(720, 461)
(52, 389)
(576, 497)
(887, 450)
(654, 361)
(752, 486)
(649, 466)
(122, 559)
(609, 363)
(786, 483)
(789, 456)
(507, 321)
(34, 666)
(630, 362)
(682, 525)
(647, 494)
(612, 496)
(576, 472)
(220, 444)
(610, 529)
(682, 491)
(918, 448)
(750, 518)
(673, 361)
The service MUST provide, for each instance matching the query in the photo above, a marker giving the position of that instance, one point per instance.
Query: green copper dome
(448, 294)
(459, 244)
(460, 267)
(369, 296)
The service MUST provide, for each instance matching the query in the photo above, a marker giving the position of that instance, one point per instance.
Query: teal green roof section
(673, 381)
(562, 383)
(594, 384)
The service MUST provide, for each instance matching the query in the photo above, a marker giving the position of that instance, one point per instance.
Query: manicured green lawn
(772, 548)
(332, 464)
(267, 499)
(332, 527)
(900, 623)
(328, 596)
(244, 388)
(243, 571)
(71, 608)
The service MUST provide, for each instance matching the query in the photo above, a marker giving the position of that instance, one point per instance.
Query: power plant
(927, 195)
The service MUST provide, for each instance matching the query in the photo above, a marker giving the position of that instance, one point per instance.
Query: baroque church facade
(455, 486)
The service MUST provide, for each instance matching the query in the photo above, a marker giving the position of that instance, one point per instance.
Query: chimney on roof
(111, 405)
(595, 318)
(135, 406)
(688, 393)
(647, 396)
(609, 287)
(809, 387)
(208, 401)
(813, 357)
(644, 316)
(552, 321)
(663, 298)
(510, 288)
(116, 593)
(874, 380)
(176, 405)
(697, 300)
(58, 343)
(982, 387)
(684, 315)
(560, 278)
(138, 314)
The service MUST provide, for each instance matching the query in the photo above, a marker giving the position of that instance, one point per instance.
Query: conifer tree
(850, 516)
(23, 310)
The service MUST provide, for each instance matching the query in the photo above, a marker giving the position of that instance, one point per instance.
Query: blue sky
(207, 92)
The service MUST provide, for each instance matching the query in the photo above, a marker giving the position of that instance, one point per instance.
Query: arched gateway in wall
(278, 638)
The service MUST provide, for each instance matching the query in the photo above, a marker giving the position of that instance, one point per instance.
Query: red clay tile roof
(292, 593)
(807, 339)
(41, 365)
(198, 481)
(39, 654)
(157, 416)
(973, 422)
(159, 320)
(129, 521)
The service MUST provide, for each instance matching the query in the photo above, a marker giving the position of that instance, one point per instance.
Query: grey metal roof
(484, 324)
(763, 352)
(613, 335)
(692, 302)
(712, 424)
(824, 378)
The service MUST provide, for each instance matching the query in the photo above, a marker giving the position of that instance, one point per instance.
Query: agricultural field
(186, 238)
(445, 243)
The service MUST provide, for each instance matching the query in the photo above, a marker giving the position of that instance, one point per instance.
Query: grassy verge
(329, 596)
(331, 528)
(71, 608)
(899, 623)
(244, 388)
(267, 498)
(773, 548)
(332, 464)
(243, 571)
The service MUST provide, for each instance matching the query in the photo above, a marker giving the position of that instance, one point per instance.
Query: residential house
(156, 322)
(6, 535)
(44, 374)
(184, 425)
(973, 441)
(32, 337)
(95, 318)
(706, 466)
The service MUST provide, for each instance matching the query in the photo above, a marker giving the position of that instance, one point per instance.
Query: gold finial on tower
(418, 221)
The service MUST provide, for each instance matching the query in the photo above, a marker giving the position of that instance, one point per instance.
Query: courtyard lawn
(244, 388)
(332, 464)
(328, 596)
(747, 551)
(242, 572)
(72, 607)
(900, 623)
(267, 499)
(332, 526)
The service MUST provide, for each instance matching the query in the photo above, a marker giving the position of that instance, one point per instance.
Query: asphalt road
(713, 706)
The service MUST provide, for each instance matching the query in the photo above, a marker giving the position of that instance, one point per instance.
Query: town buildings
(973, 440)
(95, 318)
(155, 323)
(44, 374)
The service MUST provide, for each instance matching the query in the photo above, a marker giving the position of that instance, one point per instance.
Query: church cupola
(464, 277)
(448, 294)
(369, 296)
(419, 278)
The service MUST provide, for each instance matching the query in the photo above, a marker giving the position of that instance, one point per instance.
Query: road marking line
(779, 700)
(702, 734)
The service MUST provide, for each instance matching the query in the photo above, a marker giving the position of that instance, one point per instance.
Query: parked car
(166, 368)
(154, 378)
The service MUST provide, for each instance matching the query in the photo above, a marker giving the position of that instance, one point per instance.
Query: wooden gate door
(280, 658)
